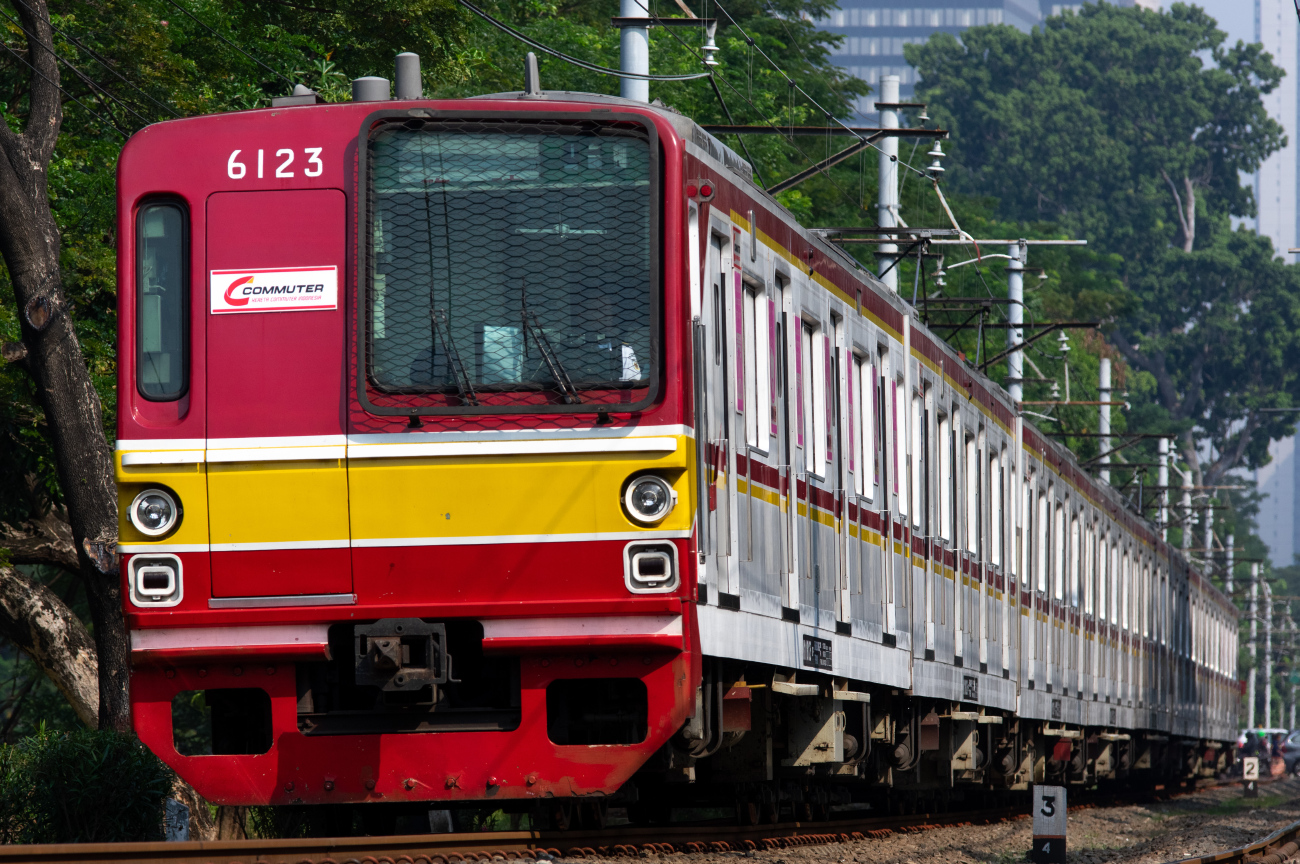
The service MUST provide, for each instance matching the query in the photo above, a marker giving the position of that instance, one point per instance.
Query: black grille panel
(510, 266)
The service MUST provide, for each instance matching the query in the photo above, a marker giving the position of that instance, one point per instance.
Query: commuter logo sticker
(284, 289)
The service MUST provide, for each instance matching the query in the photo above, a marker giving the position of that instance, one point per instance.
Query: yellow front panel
(508, 495)
(187, 482)
(278, 502)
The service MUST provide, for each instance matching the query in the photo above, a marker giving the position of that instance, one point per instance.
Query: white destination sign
(281, 289)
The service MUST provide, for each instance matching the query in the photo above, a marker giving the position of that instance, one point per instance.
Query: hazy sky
(1235, 17)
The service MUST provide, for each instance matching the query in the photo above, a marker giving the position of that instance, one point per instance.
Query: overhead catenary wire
(591, 67)
(205, 26)
(83, 105)
(95, 86)
(100, 59)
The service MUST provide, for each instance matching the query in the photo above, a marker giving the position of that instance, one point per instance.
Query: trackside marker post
(1049, 825)
(1250, 777)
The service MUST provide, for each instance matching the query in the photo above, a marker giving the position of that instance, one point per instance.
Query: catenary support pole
(634, 51)
(1163, 475)
(1250, 646)
(1187, 512)
(1227, 579)
(887, 195)
(1268, 655)
(1103, 419)
(1015, 316)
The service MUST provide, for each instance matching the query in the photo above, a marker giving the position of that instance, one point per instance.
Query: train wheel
(560, 815)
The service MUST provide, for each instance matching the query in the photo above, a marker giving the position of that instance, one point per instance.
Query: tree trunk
(46, 541)
(29, 242)
(36, 620)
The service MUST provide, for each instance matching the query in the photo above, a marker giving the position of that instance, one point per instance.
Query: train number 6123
(237, 170)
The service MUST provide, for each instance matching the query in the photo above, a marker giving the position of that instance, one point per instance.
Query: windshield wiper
(551, 359)
(443, 331)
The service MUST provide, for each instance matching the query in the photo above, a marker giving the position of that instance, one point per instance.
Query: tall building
(1276, 192)
(875, 32)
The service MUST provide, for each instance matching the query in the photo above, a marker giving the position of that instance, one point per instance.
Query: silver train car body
(901, 582)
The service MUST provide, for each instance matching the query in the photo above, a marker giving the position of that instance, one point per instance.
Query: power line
(94, 85)
(592, 67)
(61, 90)
(104, 63)
(196, 20)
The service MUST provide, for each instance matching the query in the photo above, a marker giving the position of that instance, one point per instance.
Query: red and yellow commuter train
(521, 447)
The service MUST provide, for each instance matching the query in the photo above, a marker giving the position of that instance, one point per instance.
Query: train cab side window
(162, 301)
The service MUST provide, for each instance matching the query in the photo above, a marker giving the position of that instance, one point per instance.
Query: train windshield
(510, 263)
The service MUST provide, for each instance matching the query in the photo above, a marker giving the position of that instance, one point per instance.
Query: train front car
(403, 448)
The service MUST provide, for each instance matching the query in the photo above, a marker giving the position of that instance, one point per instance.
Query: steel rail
(464, 848)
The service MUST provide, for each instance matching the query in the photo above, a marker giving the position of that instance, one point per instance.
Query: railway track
(467, 848)
(1279, 847)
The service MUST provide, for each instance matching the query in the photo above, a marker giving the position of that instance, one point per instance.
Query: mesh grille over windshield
(510, 265)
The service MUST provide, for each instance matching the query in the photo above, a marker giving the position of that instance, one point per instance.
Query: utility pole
(887, 195)
(1254, 629)
(1103, 419)
(1227, 580)
(634, 51)
(1163, 445)
(1015, 317)
(1268, 655)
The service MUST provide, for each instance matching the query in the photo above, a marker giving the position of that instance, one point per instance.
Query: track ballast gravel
(1202, 823)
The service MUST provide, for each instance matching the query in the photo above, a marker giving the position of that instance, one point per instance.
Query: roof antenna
(532, 79)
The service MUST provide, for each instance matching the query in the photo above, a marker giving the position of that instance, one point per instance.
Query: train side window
(971, 465)
(1125, 587)
(1058, 556)
(945, 478)
(1102, 574)
(916, 462)
(1076, 555)
(995, 509)
(814, 400)
(1114, 582)
(749, 362)
(1146, 600)
(860, 423)
(162, 301)
(807, 341)
(1040, 544)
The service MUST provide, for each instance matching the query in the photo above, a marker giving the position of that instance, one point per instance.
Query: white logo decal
(283, 289)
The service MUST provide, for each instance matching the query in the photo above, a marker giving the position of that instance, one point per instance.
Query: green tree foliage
(1130, 128)
(81, 787)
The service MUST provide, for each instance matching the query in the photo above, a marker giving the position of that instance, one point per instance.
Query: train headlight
(649, 499)
(154, 512)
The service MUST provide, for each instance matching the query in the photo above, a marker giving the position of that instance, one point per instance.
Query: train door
(277, 477)
(792, 446)
(816, 510)
(886, 401)
(941, 545)
(718, 421)
(920, 534)
(757, 517)
(863, 559)
(844, 459)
